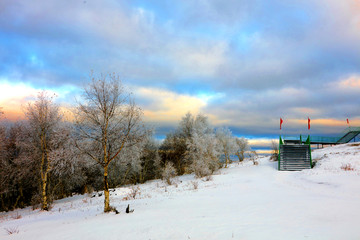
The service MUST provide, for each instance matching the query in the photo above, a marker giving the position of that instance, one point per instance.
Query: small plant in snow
(195, 184)
(208, 178)
(347, 167)
(11, 230)
(169, 172)
(135, 191)
(254, 157)
(16, 216)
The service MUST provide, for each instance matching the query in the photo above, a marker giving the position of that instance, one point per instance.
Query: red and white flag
(281, 122)
(308, 123)
(347, 120)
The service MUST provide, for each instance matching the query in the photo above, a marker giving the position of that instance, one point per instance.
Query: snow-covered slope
(241, 202)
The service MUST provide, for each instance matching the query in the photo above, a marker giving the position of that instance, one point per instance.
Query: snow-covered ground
(240, 202)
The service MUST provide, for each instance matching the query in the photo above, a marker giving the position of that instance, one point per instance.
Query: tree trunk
(106, 191)
(44, 173)
(226, 159)
(44, 195)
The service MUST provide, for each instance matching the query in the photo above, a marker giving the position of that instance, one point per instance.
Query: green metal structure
(346, 136)
(295, 153)
(294, 156)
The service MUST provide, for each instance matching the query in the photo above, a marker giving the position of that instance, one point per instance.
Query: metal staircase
(348, 136)
(294, 157)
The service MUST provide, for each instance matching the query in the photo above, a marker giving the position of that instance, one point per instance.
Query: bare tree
(107, 121)
(242, 145)
(43, 117)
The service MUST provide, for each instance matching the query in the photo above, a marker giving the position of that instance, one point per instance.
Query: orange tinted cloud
(351, 82)
(167, 105)
(329, 122)
(14, 97)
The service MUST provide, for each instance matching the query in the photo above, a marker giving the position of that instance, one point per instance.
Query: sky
(243, 63)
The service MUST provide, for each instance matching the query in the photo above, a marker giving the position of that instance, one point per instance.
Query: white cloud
(197, 58)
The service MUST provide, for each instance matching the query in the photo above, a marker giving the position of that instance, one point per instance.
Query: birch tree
(107, 122)
(43, 118)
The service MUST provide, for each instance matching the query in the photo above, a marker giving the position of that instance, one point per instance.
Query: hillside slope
(241, 202)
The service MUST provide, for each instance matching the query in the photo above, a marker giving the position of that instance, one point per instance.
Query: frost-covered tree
(3, 166)
(43, 118)
(126, 167)
(192, 147)
(67, 170)
(202, 147)
(204, 152)
(226, 143)
(150, 161)
(242, 146)
(19, 171)
(107, 122)
(174, 147)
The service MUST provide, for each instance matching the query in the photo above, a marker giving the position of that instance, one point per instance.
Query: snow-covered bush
(201, 169)
(169, 172)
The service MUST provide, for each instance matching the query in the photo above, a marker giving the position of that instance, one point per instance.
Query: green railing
(322, 139)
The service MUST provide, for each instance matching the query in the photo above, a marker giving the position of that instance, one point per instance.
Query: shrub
(16, 216)
(208, 178)
(195, 184)
(201, 169)
(132, 195)
(253, 157)
(275, 151)
(347, 167)
(169, 172)
(11, 230)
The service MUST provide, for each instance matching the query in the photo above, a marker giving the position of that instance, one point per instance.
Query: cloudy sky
(243, 63)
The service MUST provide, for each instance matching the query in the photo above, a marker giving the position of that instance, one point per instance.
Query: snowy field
(241, 202)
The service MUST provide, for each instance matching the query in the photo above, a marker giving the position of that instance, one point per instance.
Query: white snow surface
(240, 202)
